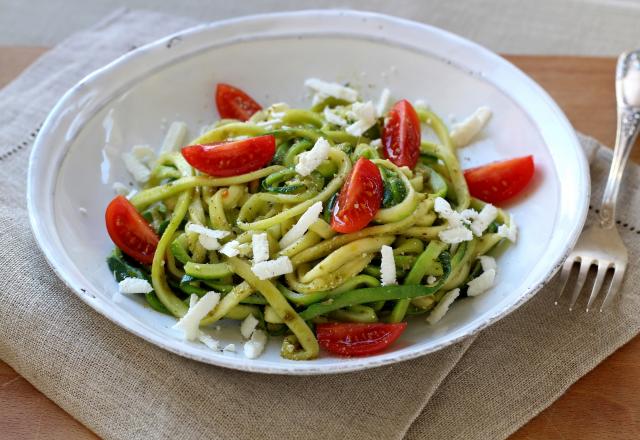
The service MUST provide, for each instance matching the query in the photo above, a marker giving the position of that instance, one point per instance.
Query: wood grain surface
(603, 405)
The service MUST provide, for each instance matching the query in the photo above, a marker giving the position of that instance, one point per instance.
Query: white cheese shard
(207, 237)
(144, 153)
(248, 326)
(333, 118)
(278, 110)
(134, 285)
(484, 218)
(209, 341)
(174, 138)
(308, 218)
(210, 244)
(230, 249)
(463, 132)
(310, 160)
(332, 89)
(488, 263)
(365, 117)
(190, 322)
(120, 188)
(383, 102)
(482, 283)
(203, 230)
(255, 346)
(456, 232)
(443, 306)
(229, 348)
(431, 279)
(387, 266)
(455, 235)
(136, 168)
(510, 231)
(273, 268)
(260, 246)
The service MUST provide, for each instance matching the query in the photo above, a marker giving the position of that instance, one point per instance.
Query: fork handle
(627, 131)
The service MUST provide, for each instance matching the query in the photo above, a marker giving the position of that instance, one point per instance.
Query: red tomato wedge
(359, 199)
(499, 181)
(130, 231)
(348, 339)
(233, 103)
(401, 135)
(231, 158)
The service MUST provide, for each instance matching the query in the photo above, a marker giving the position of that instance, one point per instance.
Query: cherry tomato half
(233, 103)
(349, 339)
(231, 158)
(499, 181)
(401, 135)
(130, 231)
(359, 199)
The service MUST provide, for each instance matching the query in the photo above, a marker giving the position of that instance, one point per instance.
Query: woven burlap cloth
(121, 387)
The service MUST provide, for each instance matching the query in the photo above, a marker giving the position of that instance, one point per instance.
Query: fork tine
(564, 276)
(616, 281)
(582, 275)
(597, 284)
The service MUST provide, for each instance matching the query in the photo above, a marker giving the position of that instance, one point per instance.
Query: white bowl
(75, 159)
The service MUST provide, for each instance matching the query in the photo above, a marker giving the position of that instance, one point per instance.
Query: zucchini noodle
(333, 276)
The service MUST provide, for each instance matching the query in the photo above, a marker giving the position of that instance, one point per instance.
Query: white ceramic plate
(75, 159)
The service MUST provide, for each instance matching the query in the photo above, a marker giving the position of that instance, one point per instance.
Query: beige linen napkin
(122, 387)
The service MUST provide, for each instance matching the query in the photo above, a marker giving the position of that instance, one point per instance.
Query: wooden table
(605, 404)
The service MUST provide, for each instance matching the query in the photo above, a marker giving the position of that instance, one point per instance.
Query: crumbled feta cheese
(190, 322)
(174, 138)
(203, 230)
(137, 169)
(255, 346)
(431, 279)
(210, 244)
(229, 348)
(456, 231)
(488, 263)
(443, 306)
(332, 89)
(248, 326)
(509, 231)
(464, 132)
(260, 246)
(333, 118)
(308, 218)
(454, 235)
(383, 102)
(83, 210)
(209, 341)
(310, 160)
(482, 283)
(278, 109)
(120, 188)
(468, 215)
(273, 268)
(387, 267)
(134, 285)
(365, 117)
(376, 143)
(143, 153)
(484, 218)
(230, 249)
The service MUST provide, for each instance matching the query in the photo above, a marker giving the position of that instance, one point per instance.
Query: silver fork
(600, 245)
